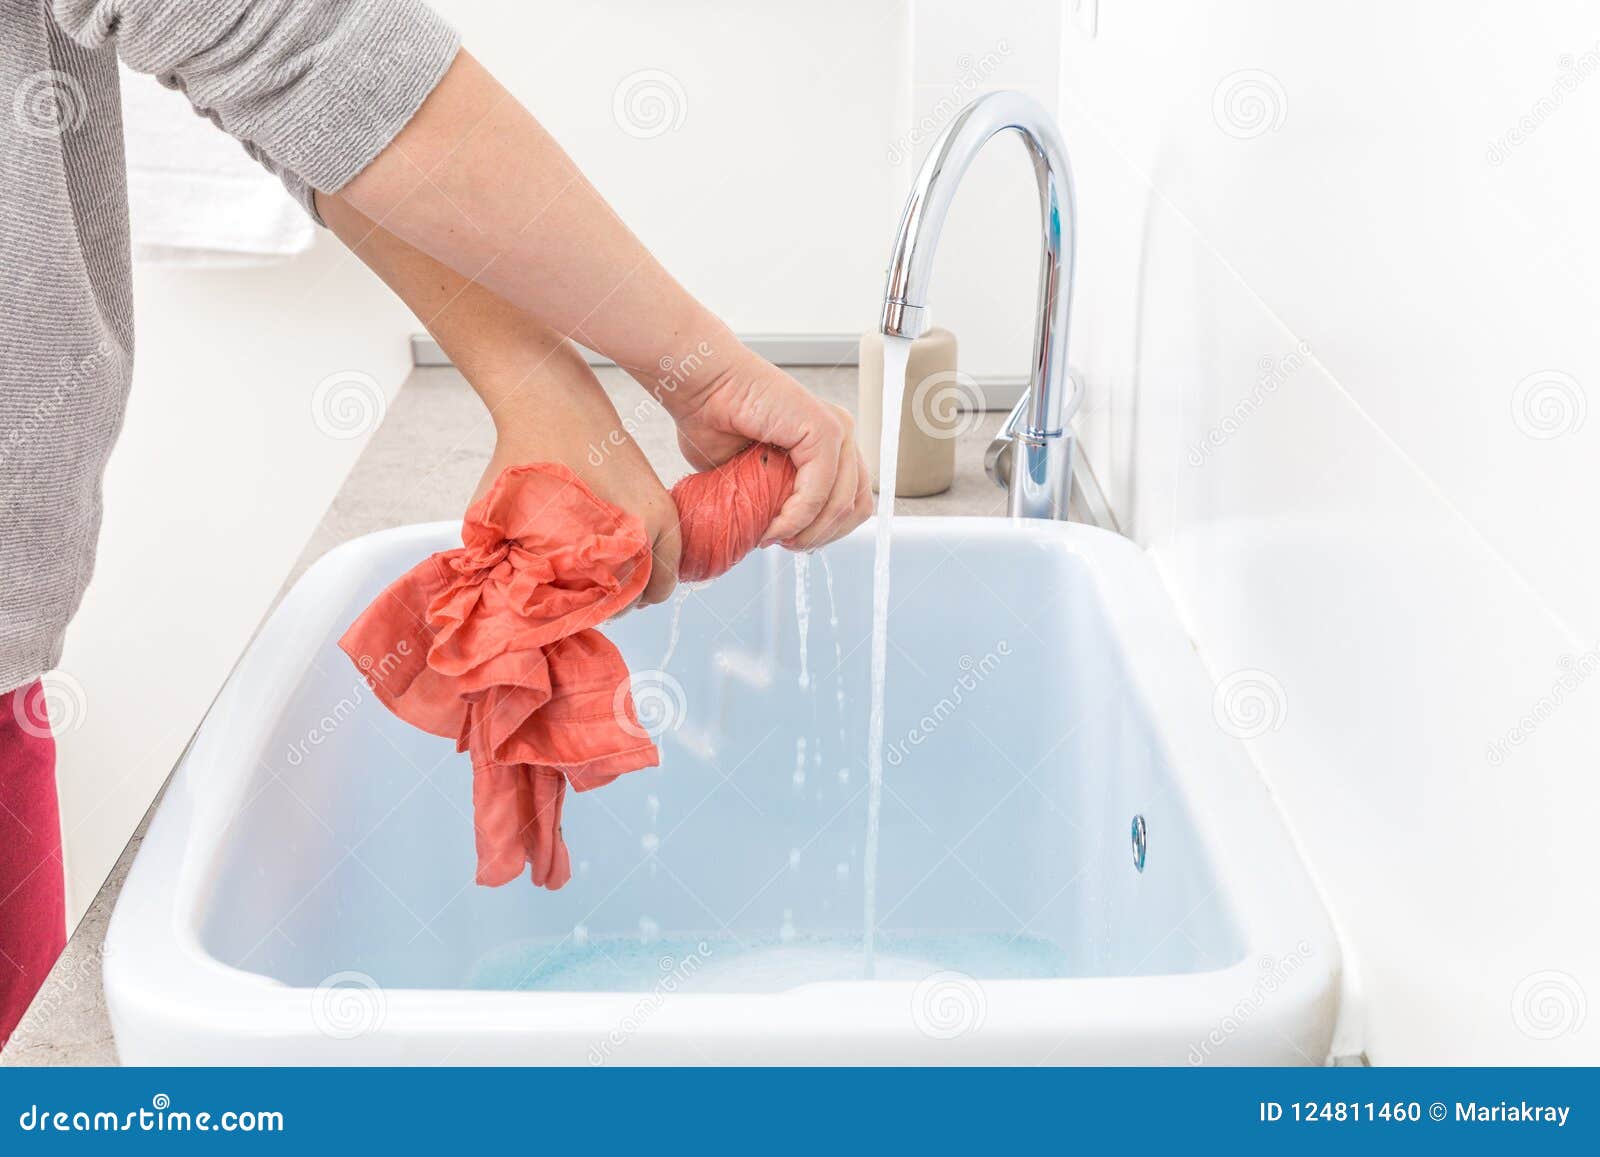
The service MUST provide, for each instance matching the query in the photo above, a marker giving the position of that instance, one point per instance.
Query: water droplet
(786, 933)
(580, 935)
(649, 930)
(650, 842)
(676, 629)
(841, 871)
(844, 775)
(653, 802)
(794, 859)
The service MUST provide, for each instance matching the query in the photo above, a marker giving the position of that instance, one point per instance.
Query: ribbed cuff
(369, 79)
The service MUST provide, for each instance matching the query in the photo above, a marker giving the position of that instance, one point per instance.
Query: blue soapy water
(689, 963)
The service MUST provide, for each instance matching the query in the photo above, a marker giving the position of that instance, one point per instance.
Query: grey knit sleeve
(315, 89)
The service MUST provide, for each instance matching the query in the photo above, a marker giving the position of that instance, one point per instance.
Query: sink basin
(1078, 864)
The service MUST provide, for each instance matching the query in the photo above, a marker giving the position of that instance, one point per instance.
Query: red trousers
(32, 899)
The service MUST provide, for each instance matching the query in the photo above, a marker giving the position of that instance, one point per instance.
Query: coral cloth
(493, 644)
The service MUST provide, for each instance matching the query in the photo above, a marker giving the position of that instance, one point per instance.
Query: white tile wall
(1304, 315)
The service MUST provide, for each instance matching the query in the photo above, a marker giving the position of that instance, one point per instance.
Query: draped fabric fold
(493, 644)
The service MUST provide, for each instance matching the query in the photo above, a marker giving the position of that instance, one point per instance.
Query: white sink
(305, 893)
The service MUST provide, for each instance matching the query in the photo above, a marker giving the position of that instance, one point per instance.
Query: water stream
(838, 663)
(896, 353)
(802, 611)
(675, 627)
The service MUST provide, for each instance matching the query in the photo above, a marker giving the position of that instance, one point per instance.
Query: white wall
(746, 144)
(766, 150)
(986, 278)
(1388, 530)
(222, 472)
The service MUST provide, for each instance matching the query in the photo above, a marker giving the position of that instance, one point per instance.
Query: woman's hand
(581, 430)
(545, 402)
(750, 400)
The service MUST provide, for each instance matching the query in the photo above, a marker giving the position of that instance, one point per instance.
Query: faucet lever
(997, 458)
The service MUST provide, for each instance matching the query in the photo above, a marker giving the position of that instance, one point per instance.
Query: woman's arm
(474, 181)
(546, 403)
(372, 101)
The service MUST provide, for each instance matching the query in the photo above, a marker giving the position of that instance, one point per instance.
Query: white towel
(194, 196)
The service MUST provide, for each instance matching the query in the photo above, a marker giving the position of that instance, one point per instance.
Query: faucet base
(1041, 475)
(1033, 466)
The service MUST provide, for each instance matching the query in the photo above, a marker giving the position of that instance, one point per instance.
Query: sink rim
(157, 970)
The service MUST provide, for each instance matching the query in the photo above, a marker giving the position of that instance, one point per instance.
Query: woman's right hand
(748, 399)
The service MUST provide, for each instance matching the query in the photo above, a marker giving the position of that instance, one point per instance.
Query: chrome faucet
(1033, 454)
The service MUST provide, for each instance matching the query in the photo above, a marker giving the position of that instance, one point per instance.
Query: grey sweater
(315, 89)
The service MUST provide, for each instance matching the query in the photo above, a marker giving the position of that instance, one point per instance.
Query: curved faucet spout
(1041, 458)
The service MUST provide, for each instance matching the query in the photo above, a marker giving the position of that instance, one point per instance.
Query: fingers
(860, 503)
(831, 494)
(816, 459)
(863, 506)
(841, 512)
(838, 504)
